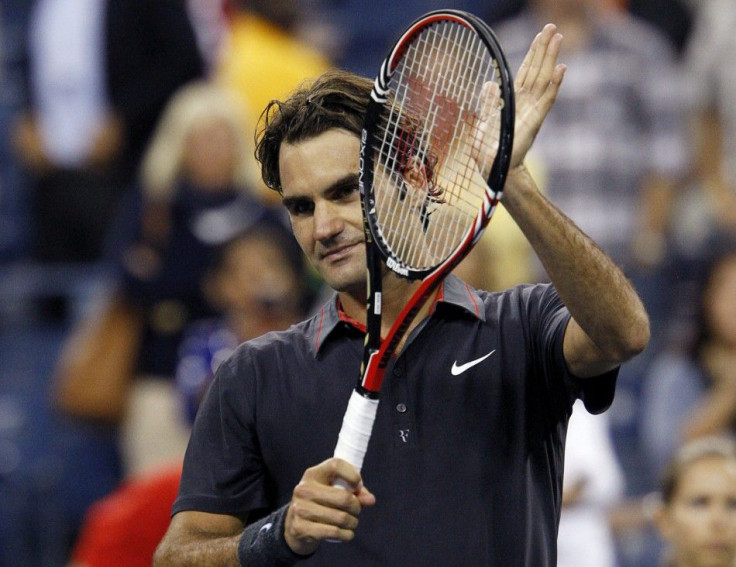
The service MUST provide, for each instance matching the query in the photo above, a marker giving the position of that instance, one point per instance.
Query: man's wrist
(519, 182)
(518, 172)
(263, 544)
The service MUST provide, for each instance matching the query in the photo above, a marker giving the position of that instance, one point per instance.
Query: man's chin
(351, 286)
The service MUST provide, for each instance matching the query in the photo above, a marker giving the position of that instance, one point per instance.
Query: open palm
(535, 90)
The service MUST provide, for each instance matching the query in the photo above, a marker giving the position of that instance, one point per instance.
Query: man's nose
(327, 221)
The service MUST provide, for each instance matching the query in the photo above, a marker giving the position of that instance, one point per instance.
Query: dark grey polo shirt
(467, 448)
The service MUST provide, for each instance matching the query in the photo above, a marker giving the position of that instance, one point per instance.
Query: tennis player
(465, 462)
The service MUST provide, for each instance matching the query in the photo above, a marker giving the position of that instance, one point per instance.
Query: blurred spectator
(613, 152)
(613, 147)
(672, 17)
(690, 393)
(358, 34)
(704, 212)
(209, 20)
(258, 281)
(124, 528)
(197, 194)
(14, 224)
(710, 204)
(362, 32)
(697, 516)
(194, 195)
(710, 61)
(98, 75)
(592, 485)
(258, 284)
(264, 59)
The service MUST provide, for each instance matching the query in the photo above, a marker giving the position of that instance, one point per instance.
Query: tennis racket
(435, 151)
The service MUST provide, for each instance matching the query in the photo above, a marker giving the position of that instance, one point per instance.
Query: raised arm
(609, 323)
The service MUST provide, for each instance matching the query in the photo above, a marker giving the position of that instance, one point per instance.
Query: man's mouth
(338, 252)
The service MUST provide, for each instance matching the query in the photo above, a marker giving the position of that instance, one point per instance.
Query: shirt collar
(453, 292)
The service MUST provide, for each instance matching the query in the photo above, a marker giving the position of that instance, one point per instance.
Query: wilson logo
(396, 267)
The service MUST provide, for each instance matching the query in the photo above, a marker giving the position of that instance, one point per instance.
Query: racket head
(429, 181)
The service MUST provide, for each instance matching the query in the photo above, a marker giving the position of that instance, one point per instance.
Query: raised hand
(535, 88)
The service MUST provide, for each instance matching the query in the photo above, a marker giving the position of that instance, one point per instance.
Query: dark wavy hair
(336, 99)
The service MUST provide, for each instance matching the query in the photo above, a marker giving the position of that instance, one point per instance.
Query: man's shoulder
(293, 339)
(521, 304)
(520, 293)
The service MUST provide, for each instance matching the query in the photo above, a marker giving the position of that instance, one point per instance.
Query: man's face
(319, 181)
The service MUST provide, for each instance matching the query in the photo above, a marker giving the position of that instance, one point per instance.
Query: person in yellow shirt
(262, 59)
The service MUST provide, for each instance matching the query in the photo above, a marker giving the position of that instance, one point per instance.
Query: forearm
(598, 295)
(200, 551)
(260, 544)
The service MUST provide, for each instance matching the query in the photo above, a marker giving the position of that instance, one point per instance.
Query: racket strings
(429, 50)
(466, 62)
(451, 125)
(427, 175)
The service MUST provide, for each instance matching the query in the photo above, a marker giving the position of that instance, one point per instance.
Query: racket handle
(357, 425)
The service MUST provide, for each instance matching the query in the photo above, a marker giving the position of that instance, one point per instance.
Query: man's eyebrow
(349, 180)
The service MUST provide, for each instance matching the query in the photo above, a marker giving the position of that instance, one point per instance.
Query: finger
(548, 97)
(548, 64)
(558, 75)
(490, 94)
(309, 532)
(327, 472)
(306, 525)
(536, 56)
(524, 67)
(311, 511)
(319, 484)
(327, 496)
(485, 125)
(365, 496)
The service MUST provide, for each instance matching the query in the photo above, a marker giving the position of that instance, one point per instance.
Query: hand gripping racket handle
(357, 424)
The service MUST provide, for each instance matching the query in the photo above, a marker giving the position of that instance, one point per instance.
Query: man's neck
(395, 294)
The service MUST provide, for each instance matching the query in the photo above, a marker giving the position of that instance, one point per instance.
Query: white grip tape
(357, 425)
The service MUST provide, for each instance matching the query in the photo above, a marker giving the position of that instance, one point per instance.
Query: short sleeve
(223, 469)
(596, 392)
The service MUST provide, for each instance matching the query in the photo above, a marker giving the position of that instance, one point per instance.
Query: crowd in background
(133, 221)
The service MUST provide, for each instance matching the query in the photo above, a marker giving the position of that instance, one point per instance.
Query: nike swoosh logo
(459, 369)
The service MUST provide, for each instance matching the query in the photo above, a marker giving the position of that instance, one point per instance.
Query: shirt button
(401, 408)
(397, 371)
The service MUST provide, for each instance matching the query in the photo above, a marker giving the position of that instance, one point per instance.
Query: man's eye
(300, 208)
